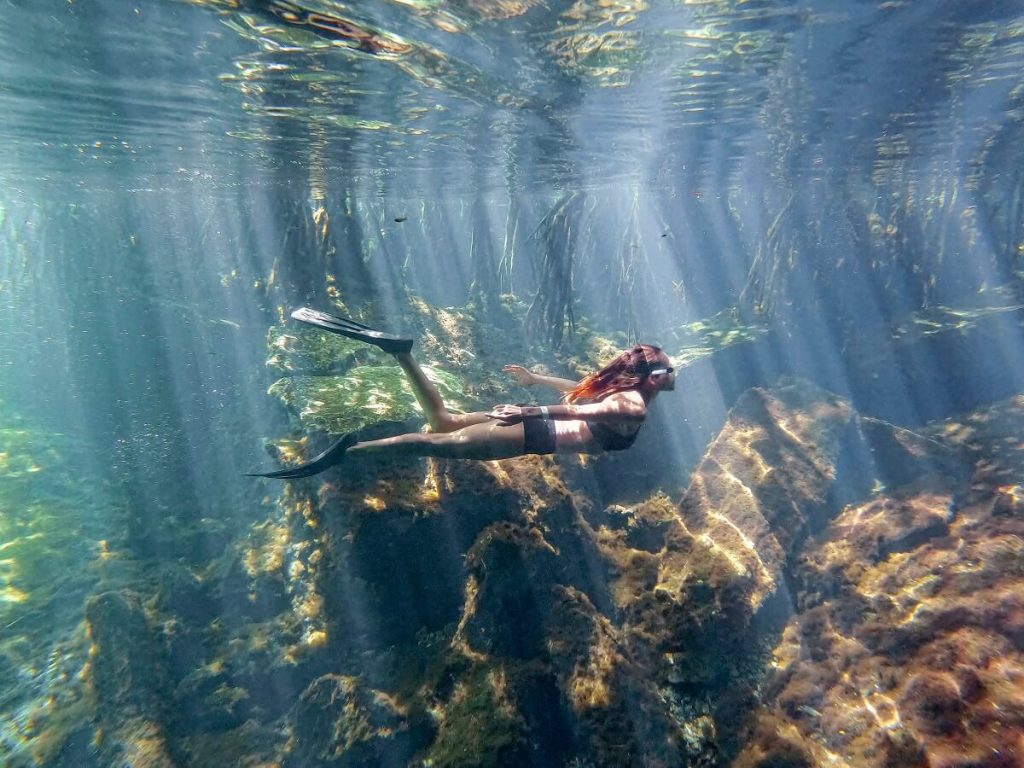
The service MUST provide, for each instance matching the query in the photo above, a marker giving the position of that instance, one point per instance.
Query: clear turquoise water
(842, 176)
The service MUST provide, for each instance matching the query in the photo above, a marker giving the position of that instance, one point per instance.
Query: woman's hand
(522, 375)
(506, 414)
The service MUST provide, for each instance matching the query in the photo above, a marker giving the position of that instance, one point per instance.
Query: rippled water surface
(688, 96)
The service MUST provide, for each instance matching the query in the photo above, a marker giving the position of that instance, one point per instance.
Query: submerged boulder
(480, 722)
(761, 486)
(395, 544)
(618, 714)
(339, 722)
(619, 611)
(909, 649)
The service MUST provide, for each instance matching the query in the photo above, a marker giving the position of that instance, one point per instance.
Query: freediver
(603, 412)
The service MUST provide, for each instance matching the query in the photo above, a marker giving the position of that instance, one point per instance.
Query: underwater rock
(242, 583)
(765, 479)
(126, 667)
(642, 527)
(586, 595)
(518, 564)
(529, 611)
(129, 681)
(339, 722)
(618, 714)
(866, 534)
(395, 546)
(538, 625)
(909, 650)
(759, 489)
(182, 594)
(508, 608)
(211, 700)
(501, 563)
(481, 724)
(898, 458)
(553, 671)
(629, 541)
(248, 746)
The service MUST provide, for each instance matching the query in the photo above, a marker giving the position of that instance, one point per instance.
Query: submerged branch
(552, 311)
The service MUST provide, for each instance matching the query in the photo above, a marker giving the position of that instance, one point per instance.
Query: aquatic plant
(365, 395)
(305, 352)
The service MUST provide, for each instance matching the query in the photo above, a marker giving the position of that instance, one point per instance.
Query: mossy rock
(338, 721)
(481, 726)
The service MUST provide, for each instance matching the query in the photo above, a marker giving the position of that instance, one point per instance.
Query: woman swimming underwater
(604, 412)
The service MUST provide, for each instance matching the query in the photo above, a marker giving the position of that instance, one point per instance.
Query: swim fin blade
(329, 458)
(353, 330)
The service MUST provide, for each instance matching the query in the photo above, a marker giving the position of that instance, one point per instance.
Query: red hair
(627, 371)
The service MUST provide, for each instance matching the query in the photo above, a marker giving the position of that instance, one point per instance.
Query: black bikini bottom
(540, 436)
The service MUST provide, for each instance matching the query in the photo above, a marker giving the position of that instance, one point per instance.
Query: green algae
(309, 352)
(702, 338)
(480, 725)
(50, 537)
(942, 319)
(363, 396)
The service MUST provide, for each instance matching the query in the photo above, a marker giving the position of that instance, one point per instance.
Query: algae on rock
(481, 726)
(52, 536)
(907, 650)
(310, 352)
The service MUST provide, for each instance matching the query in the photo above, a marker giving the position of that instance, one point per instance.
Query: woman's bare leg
(430, 401)
(477, 441)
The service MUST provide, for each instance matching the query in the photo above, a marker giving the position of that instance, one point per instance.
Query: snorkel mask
(658, 369)
(663, 369)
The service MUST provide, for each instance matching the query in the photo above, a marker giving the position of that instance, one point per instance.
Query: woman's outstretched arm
(528, 378)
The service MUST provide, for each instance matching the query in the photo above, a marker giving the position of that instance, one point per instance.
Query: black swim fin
(335, 324)
(329, 458)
